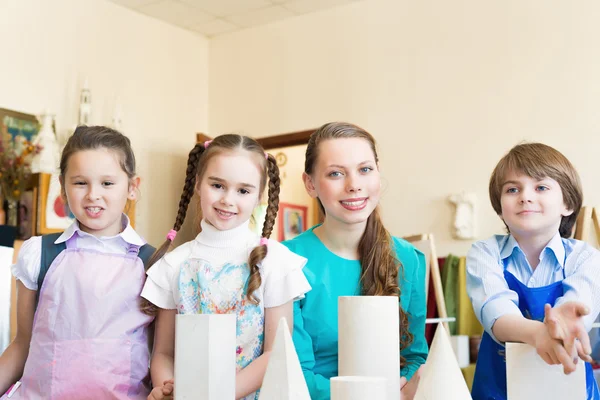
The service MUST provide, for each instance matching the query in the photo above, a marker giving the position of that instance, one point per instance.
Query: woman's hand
(409, 388)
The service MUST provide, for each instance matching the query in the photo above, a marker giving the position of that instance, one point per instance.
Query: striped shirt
(576, 261)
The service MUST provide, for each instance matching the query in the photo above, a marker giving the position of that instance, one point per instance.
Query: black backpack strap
(145, 253)
(49, 253)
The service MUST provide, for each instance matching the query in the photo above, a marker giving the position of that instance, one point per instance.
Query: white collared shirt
(576, 261)
(27, 267)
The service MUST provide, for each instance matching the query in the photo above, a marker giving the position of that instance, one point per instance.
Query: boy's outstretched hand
(164, 392)
(552, 350)
(565, 323)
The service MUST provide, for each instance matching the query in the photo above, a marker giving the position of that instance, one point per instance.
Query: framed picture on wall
(18, 124)
(292, 220)
(53, 213)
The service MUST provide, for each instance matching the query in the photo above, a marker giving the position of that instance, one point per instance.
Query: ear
(134, 186)
(566, 212)
(63, 192)
(309, 185)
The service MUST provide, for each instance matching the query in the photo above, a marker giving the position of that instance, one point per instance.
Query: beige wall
(159, 73)
(445, 87)
(292, 188)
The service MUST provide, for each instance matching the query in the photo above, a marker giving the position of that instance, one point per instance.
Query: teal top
(316, 315)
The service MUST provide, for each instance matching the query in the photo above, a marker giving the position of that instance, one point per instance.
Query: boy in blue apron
(511, 278)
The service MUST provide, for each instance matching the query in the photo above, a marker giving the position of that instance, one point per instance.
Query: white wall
(446, 88)
(159, 73)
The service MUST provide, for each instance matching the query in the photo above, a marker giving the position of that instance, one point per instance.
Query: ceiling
(215, 17)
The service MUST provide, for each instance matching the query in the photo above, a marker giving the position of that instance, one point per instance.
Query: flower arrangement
(15, 166)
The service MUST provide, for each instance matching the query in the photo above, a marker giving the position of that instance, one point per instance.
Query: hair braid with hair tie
(259, 253)
(186, 196)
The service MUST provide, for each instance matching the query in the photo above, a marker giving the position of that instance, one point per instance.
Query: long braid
(186, 195)
(260, 252)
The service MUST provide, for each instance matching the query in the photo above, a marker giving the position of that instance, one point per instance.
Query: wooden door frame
(272, 142)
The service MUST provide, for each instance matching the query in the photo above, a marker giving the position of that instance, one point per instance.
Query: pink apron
(89, 339)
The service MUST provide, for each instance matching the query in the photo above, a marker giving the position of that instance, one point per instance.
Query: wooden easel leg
(438, 289)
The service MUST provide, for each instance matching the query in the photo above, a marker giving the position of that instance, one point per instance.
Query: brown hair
(197, 163)
(540, 161)
(96, 137)
(379, 263)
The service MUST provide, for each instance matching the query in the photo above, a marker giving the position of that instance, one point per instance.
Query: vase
(12, 212)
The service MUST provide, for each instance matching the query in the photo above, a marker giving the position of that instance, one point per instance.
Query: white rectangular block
(529, 377)
(369, 339)
(358, 388)
(460, 345)
(205, 356)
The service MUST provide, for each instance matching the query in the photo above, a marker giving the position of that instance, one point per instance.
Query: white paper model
(464, 216)
(205, 356)
(284, 379)
(529, 377)
(441, 377)
(358, 387)
(369, 338)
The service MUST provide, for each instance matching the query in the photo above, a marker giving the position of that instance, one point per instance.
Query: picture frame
(17, 123)
(292, 220)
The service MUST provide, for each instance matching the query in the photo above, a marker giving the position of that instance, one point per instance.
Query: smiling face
(530, 206)
(96, 189)
(229, 188)
(346, 180)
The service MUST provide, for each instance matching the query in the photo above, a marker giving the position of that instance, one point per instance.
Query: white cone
(284, 379)
(441, 377)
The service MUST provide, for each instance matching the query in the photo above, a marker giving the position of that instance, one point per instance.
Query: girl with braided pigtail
(226, 269)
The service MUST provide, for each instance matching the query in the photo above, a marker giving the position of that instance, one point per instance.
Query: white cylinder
(369, 339)
(358, 388)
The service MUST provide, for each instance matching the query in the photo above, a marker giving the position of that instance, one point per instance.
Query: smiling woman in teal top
(351, 253)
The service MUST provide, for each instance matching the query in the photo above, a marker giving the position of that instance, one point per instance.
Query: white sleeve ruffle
(284, 280)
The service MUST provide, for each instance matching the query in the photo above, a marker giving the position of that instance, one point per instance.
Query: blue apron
(489, 382)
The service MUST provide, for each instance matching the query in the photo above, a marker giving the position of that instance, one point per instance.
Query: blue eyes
(540, 188)
(336, 174)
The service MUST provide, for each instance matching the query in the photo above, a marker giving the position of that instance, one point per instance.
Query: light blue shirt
(576, 261)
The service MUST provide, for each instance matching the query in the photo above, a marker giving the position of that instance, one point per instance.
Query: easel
(426, 244)
(586, 216)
